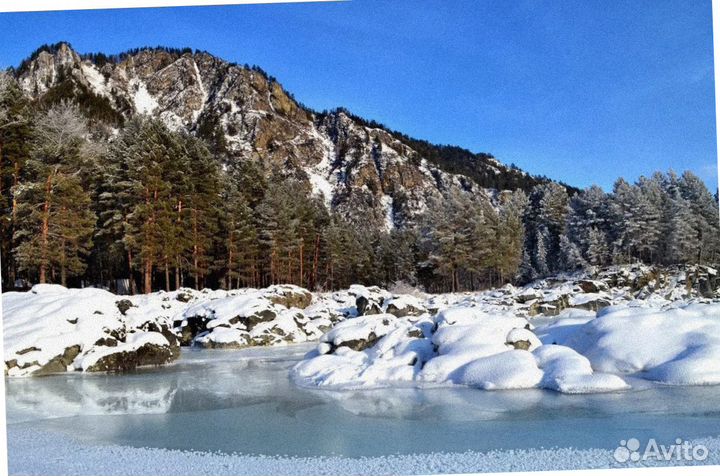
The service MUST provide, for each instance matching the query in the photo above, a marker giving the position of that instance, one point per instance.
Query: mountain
(363, 169)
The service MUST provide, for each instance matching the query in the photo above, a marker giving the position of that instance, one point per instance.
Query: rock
(289, 296)
(123, 305)
(183, 297)
(147, 354)
(54, 366)
(107, 342)
(522, 339)
(590, 302)
(520, 344)
(59, 364)
(361, 344)
(191, 327)
(222, 338)
(365, 306)
(528, 295)
(592, 286)
(27, 350)
(252, 320)
(404, 306)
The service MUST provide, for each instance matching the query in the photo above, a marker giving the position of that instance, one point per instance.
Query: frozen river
(243, 403)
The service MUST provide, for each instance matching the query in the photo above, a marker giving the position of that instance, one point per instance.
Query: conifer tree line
(158, 209)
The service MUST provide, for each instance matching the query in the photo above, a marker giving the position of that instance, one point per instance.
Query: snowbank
(679, 346)
(466, 345)
(52, 329)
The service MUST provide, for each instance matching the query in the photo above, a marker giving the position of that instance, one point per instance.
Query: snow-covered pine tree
(589, 210)
(705, 211)
(546, 215)
(571, 258)
(540, 257)
(597, 253)
(510, 236)
(683, 240)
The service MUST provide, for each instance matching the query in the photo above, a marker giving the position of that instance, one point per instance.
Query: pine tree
(705, 212)
(238, 253)
(55, 221)
(510, 236)
(15, 140)
(597, 247)
(203, 205)
(155, 165)
(540, 257)
(683, 241)
(588, 222)
(570, 257)
(546, 216)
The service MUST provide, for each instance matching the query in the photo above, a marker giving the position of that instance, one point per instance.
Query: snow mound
(467, 344)
(678, 346)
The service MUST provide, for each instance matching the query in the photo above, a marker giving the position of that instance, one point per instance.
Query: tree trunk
(167, 277)
(45, 230)
(289, 268)
(272, 267)
(148, 276)
(63, 270)
(131, 278)
(316, 261)
(301, 262)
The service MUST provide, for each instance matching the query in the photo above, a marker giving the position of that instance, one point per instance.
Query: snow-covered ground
(70, 457)
(575, 335)
(571, 334)
(51, 329)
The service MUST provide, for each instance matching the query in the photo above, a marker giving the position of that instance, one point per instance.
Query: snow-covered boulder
(590, 301)
(522, 339)
(679, 346)
(592, 286)
(52, 329)
(288, 295)
(404, 306)
(462, 345)
(528, 294)
(361, 332)
(368, 300)
(256, 318)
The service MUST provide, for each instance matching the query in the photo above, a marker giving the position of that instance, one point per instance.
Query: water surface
(243, 402)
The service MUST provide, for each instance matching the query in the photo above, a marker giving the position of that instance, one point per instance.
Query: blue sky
(580, 91)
